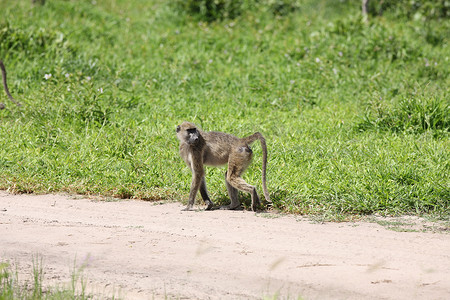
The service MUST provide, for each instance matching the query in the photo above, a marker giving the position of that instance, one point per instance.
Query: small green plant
(7, 282)
(211, 10)
(214, 10)
(282, 7)
(31, 42)
(11, 287)
(415, 113)
(428, 9)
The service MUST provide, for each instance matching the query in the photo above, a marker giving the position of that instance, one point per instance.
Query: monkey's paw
(210, 205)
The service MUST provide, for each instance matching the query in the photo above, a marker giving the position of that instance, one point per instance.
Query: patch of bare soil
(143, 250)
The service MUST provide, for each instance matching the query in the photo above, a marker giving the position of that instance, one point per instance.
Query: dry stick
(5, 85)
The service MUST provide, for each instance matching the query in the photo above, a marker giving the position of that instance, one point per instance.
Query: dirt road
(143, 250)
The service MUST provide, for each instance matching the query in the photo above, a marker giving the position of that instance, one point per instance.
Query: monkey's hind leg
(233, 194)
(238, 183)
(205, 196)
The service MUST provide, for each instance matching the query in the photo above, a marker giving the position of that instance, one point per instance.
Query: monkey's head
(187, 132)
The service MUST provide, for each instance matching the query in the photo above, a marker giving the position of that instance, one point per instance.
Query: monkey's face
(193, 136)
(188, 133)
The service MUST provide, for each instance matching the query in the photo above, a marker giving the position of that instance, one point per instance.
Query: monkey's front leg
(198, 173)
(195, 185)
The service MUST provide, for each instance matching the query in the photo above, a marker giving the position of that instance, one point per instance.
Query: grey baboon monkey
(5, 85)
(199, 148)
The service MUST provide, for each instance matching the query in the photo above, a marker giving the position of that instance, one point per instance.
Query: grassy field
(356, 114)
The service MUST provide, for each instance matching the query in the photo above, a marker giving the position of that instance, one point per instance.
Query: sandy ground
(144, 250)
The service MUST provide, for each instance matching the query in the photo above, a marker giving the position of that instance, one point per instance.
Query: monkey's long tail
(5, 84)
(250, 140)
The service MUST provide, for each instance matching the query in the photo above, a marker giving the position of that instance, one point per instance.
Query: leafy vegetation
(213, 10)
(356, 114)
(417, 9)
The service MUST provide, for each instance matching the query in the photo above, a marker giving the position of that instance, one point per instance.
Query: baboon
(5, 85)
(199, 148)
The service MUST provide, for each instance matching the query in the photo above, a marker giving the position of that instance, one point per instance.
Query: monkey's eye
(178, 128)
(192, 130)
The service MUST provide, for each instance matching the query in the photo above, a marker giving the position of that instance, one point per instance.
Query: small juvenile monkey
(199, 148)
(5, 85)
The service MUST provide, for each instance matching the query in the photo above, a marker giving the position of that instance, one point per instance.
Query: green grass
(356, 115)
(13, 287)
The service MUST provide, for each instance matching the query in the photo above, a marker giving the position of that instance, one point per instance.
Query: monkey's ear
(193, 137)
(178, 128)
